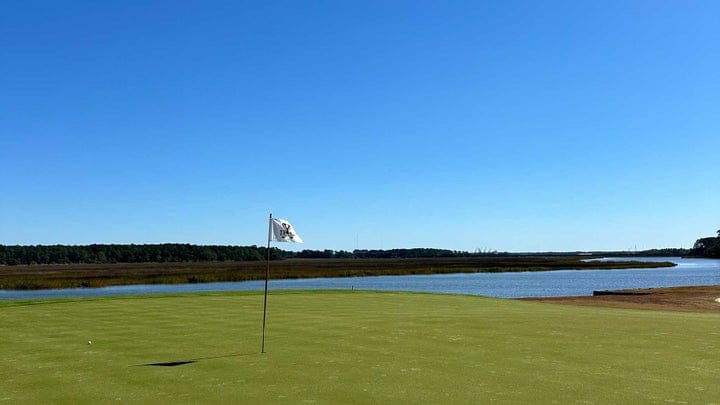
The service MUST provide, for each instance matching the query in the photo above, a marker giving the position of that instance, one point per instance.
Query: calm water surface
(507, 285)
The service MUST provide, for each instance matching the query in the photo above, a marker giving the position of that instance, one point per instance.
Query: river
(554, 283)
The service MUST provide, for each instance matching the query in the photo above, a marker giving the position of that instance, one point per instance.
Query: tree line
(411, 253)
(179, 252)
(114, 253)
(184, 252)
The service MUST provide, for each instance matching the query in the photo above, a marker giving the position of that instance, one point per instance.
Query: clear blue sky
(504, 125)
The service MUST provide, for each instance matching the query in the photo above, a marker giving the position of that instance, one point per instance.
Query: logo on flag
(282, 231)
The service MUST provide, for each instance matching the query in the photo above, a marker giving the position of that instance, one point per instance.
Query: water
(555, 283)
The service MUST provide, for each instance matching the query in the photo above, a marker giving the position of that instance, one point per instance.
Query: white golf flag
(282, 231)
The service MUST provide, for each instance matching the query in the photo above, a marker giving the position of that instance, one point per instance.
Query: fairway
(353, 347)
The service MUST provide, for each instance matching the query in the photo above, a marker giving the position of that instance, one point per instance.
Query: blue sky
(494, 125)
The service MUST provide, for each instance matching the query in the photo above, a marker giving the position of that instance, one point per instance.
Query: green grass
(353, 347)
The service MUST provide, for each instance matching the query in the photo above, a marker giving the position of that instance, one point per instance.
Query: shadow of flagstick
(191, 361)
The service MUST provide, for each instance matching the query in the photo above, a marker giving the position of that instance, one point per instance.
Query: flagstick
(267, 276)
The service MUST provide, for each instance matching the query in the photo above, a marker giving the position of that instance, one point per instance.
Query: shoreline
(682, 299)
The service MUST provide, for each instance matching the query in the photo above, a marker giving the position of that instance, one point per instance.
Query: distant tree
(707, 247)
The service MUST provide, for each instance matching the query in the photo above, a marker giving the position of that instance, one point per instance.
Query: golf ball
(89, 342)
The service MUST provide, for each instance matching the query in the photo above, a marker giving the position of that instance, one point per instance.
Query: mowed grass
(353, 347)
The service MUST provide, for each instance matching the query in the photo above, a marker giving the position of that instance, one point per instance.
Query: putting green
(352, 347)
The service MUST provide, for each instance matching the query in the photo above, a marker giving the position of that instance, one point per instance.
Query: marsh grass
(28, 277)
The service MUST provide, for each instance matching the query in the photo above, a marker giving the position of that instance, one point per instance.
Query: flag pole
(267, 276)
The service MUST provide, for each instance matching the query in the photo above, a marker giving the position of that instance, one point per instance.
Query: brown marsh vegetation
(100, 275)
(688, 299)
